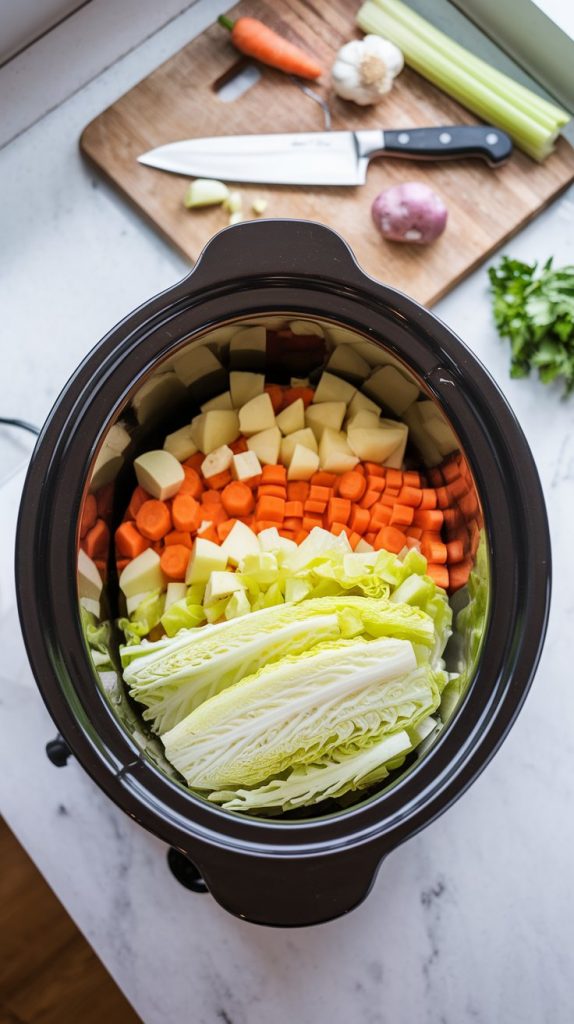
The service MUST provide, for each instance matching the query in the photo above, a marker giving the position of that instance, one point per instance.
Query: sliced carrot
(213, 514)
(450, 471)
(390, 539)
(276, 475)
(359, 519)
(301, 536)
(454, 551)
(89, 514)
(173, 561)
(220, 480)
(225, 528)
(121, 564)
(338, 511)
(415, 532)
(435, 476)
(370, 499)
(273, 489)
(310, 521)
(387, 499)
(192, 483)
(354, 539)
(458, 574)
(291, 395)
(288, 534)
(338, 528)
(315, 507)
(370, 537)
(401, 515)
(97, 540)
(237, 499)
(102, 567)
(457, 489)
(394, 478)
(442, 497)
(318, 493)
(439, 574)
(263, 524)
(294, 508)
(129, 541)
(359, 468)
(154, 520)
(210, 533)
(180, 537)
(412, 542)
(137, 499)
(474, 537)
(271, 508)
(211, 498)
(374, 469)
(412, 479)
(298, 490)
(376, 483)
(247, 520)
(429, 519)
(434, 550)
(452, 518)
(194, 461)
(392, 492)
(239, 446)
(253, 481)
(428, 498)
(186, 513)
(352, 486)
(322, 479)
(275, 392)
(105, 501)
(380, 516)
(468, 504)
(293, 523)
(410, 496)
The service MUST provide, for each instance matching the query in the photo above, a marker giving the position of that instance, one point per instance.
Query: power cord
(22, 424)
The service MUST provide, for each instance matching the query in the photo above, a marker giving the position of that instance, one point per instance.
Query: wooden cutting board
(180, 100)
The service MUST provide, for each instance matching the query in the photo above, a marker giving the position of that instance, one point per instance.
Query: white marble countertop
(471, 921)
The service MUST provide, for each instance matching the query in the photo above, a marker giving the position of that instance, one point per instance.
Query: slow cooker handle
(250, 250)
(293, 890)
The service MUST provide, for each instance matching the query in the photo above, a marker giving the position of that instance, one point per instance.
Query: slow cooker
(147, 376)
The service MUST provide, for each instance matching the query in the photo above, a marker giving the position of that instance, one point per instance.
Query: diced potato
(159, 473)
(175, 592)
(215, 428)
(421, 438)
(266, 446)
(245, 465)
(91, 605)
(135, 600)
(437, 428)
(326, 415)
(335, 454)
(359, 402)
(250, 339)
(90, 583)
(109, 459)
(306, 327)
(363, 546)
(303, 463)
(346, 359)
(195, 362)
(256, 415)
(206, 557)
(364, 418)
(269, 539)
(240, 541)
(333, 389)
(142, 574)
(374, 444)
(390, 386)
(303, 437)
(156, 394)
(180, 444)
(220, 584)
(237, 605)
(292, 418)
(217, 461)
(219, 402)
(396, 458)
(245, 386)
(299, 382)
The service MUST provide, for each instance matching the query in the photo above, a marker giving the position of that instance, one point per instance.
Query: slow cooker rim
(162, 304)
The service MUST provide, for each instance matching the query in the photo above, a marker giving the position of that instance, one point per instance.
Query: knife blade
(322, 158)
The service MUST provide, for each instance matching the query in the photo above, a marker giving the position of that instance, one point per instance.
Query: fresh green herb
(535, 310)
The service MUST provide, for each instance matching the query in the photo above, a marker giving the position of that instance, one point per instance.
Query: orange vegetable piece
(105, 501)
(192, 483)
(297, 490)
(275, 392)
(121, 564)
(352, 486)
(359, 519)
(412, 479)
(458, 574)
(137, 499)
(370, 537)
(273, 490)
(370, 499)
(354, 539)
(301, 536)
(450, 471)
(394, 478)
(468, 505)
(415, 532)
(211, 497)
(376, 483)
(210, 533)
(253, 38)
(322, 479)
(178, 537)
(294, 508)
(338, 528)
(310, 521)
(429, 519)
(237, 499)
(186, 513)
(129, 541)
(271, 508)
(410, 496)
(374, 469)
(390, 539)
(434, 550)
(153, 519)
(380, 516)
(225, 528)
(428, 499)
(435, 476)
(440, 575)
(194, 461)
(318, 493)
(220, 480)
(454, 551)
(238, 446)
(456, 489)
(89, 514)
(173, 561)
(315, 507)
(401, 515)
(338, 511)
(452, 518)
(293, 523)
(276, 475)
(97, 540)
(292, 394)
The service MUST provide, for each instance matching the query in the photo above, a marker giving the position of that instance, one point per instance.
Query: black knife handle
(449, 142)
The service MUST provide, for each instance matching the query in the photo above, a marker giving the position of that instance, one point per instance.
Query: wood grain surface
(180, 100)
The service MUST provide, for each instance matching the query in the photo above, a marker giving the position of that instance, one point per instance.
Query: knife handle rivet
(492, 138)
(403, 137)
(445, 138)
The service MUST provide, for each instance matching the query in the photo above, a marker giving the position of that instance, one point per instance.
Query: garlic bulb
(364, 69)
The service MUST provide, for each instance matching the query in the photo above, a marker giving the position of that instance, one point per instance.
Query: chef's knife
(322, 158)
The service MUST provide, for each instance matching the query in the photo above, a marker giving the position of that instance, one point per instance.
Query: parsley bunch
(535, 310)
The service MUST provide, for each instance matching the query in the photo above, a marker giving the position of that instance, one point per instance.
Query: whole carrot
(251, 37)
